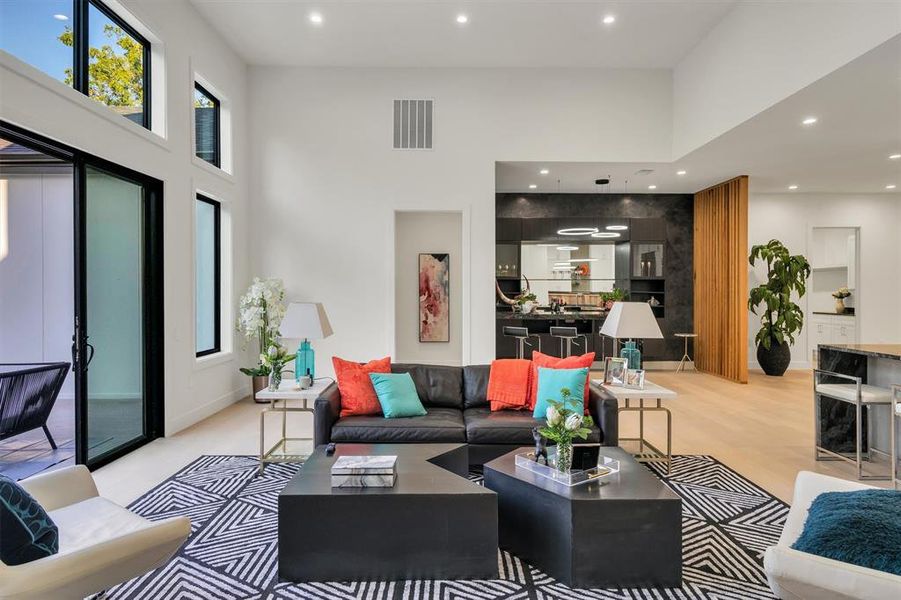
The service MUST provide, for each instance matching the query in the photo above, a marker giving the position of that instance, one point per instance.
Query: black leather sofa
(458, 411)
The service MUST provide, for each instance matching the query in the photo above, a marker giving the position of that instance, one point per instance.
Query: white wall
(36, 278)
(790, 217)
(414, 233)
(194, 389)
(761, 53)
(327, 182)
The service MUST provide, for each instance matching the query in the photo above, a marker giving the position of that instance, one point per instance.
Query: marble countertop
(541, 316)
(891, 351)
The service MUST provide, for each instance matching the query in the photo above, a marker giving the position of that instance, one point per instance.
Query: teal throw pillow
(397, 395)
(551, 381)
(27, 532)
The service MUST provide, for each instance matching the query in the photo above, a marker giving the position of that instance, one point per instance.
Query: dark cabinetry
(508, 230)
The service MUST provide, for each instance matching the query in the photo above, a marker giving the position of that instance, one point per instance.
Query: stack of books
(364, 471)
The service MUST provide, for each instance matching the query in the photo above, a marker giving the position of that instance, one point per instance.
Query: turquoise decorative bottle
(632, 354)
(305, 361)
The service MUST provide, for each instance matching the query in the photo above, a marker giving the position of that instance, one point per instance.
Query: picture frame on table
(634, 379)
(615, 370)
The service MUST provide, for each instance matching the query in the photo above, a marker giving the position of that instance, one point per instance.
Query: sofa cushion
(27, 532)
(92, 521)
(439, 386)
(397, 395)
(506, 427)
(357, 393)
(475, 385)
(438, 425)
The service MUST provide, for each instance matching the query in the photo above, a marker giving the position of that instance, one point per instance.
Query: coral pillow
(509, 384)
(552, 362)
(358, 395)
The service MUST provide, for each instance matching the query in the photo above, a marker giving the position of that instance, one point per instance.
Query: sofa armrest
(326, 411)
(61, 487)
(604, 409)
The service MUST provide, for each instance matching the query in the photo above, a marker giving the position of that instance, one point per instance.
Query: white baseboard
(200, 413)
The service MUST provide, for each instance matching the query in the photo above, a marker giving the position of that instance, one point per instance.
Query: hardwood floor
(763, 430)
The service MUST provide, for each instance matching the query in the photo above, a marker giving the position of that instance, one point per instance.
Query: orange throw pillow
(357, 392)
(552, 362)
(508, 384)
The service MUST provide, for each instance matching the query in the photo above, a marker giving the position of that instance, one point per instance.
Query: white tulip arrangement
(563, 426)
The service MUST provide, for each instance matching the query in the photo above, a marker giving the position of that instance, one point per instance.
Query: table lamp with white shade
(631, 321)
(305, 321)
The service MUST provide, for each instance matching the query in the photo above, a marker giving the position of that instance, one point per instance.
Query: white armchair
(101, 544)
(795, 575)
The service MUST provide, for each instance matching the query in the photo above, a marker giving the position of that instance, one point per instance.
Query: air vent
(413, 124)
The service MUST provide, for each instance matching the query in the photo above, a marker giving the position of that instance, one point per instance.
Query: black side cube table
(433, 524)
(624, 531)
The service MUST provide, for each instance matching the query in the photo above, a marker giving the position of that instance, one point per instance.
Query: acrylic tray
(606, 467)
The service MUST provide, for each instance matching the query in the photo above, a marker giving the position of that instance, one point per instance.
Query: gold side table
(278, 403)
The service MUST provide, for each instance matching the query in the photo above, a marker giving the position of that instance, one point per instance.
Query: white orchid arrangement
(260, 314)
(564, 424)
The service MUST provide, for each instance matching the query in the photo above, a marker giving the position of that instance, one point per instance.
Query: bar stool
(521, 335)
(859, 395)
(568, 335)
(685, 356)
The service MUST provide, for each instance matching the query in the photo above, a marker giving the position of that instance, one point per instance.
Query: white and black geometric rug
(727, 523)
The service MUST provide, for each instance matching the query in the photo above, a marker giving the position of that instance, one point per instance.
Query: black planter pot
(774, 361)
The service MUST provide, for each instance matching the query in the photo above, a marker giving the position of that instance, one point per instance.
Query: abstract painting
(434, 298)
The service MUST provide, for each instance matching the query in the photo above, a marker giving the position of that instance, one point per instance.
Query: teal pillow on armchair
(26, 531)
(397, 395)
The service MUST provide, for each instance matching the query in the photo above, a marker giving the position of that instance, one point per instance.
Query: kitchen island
(539, 323)
(876, 365)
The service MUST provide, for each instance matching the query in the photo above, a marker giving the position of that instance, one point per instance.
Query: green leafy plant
(275, 358)
(526, 297)
(615, 295)
(564, 424)
(780, 318)
(257, 371)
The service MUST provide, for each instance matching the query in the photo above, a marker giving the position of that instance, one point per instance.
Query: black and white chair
(522, 336)
(27, 395)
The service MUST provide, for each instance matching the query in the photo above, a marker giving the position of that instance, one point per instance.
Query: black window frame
(217, 277)
(80, 51)
(217, 129)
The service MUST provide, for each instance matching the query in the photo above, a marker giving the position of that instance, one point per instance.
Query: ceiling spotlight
(894, 156)
(890, 186)
(652, 187)
(605, 234)
(809, 121)
(567, 248)
(577, 231)
(793, 187)
(532, 186)
(609, 20)
(616, 227)
(462, 19)
(681, 172)
(60, 17)
(543, 172)
(316, 18)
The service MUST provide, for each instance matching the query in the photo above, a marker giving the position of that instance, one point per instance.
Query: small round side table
(685, 356)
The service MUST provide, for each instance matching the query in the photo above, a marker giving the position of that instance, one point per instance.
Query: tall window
(206, 126)
(85, 45)
(207, 274)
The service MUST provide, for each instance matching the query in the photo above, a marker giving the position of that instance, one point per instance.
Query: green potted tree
(780, 318)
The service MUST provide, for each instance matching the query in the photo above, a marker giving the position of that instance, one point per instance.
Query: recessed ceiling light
(894, 156)
(681, 172)
(532, 186)
(809, 121)
(605, 234)
(616, 227)
(652, 187)
(543, 172)
(890, 186)
(609, 20)
(567, 248)
(315, 18)
(792, 187)
(462, 19)
(60, 17)
(577, 231)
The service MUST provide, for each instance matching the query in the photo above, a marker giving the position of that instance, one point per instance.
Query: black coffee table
(433, 524)
(623, 531)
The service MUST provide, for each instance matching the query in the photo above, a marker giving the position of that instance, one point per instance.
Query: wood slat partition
(721, 279)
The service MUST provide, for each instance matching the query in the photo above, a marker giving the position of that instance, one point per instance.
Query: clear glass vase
(275, 380)
(564, 460)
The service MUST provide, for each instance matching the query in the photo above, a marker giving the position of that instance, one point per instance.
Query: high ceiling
(498, 33)
(858, 111)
